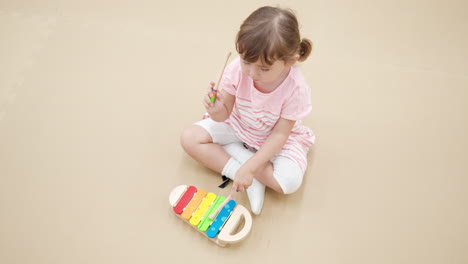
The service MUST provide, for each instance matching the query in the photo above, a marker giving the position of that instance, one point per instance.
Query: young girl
(254, 135)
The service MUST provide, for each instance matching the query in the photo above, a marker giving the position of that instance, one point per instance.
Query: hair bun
(305, 47)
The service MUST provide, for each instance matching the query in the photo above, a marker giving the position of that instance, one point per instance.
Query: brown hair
(271, 34)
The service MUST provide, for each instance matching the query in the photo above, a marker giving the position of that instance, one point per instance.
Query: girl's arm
(270, 148)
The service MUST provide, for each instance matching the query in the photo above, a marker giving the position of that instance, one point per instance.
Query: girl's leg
(283, 175)
(198, 143)
(266, 177)
(227, 159)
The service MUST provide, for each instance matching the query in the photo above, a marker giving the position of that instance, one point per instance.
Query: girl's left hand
(243, 179)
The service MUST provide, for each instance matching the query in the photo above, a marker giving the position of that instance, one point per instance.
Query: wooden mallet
(215, 90)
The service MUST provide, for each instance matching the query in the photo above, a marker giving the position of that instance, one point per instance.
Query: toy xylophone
(195, 207)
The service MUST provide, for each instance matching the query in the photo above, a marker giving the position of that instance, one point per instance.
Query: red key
(188, 195)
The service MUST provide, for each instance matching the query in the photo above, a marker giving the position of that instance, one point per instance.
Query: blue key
(220, 219)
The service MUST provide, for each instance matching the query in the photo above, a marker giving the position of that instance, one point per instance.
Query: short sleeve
(298, 105)
(231, 77)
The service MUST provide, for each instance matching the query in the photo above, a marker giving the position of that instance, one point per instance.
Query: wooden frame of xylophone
(195, 206)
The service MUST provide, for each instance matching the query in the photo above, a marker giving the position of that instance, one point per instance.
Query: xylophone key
(205, 205)
(193, 205)
(206, 221)
(220, 219)
(188, 195)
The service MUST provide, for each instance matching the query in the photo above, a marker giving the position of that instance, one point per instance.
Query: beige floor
(93, 97)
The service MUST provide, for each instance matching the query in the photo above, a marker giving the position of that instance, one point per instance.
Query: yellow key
(196, 218)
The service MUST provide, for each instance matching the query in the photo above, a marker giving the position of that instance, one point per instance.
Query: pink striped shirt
(255, 114)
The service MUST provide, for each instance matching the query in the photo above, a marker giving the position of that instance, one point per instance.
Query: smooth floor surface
(94, 95)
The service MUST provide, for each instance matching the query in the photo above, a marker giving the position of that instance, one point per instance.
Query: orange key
(193, 205)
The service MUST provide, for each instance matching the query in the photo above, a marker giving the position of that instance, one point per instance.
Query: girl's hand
(217, 106)
(243, 179)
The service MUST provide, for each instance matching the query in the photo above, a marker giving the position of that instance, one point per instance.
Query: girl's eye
(246, 62)
(265, 69)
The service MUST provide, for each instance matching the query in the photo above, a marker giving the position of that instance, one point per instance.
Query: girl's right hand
(217, 106)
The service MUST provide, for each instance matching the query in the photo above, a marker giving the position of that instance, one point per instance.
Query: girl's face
(268, 77)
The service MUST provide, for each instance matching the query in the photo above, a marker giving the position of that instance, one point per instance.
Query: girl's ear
(291, 61)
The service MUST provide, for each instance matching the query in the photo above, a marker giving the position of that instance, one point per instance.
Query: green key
(206, 221)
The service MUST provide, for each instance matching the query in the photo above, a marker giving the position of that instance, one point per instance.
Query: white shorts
(286, 171)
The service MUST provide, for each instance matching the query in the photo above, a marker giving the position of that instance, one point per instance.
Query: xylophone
(195, 207)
